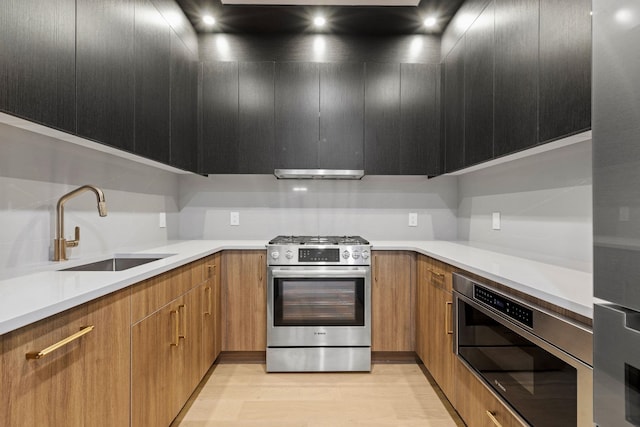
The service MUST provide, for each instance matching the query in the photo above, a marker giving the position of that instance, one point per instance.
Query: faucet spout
(60, 244)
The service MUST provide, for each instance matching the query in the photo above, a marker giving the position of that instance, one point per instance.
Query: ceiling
(358, 20)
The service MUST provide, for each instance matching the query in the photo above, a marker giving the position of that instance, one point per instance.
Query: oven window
(318, 302)
(538, 385)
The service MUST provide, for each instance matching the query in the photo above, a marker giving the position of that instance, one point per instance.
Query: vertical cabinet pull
(207, 291)
(448, 317)
(211, 267)
(492, 417)
(176, 328)
(183, 309)
(260, 268)
(42, 353)
(375, 268)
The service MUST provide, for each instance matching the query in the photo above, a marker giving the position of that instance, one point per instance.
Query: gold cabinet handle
(207, 292)
(492, 417)
(42, 353)
(448, 317)
(375, 270)
(435, 273)
(183, 308)
(176, 329)
(209, 268)
(260, 270)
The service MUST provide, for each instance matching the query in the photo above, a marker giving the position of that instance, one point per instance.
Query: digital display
(504, 305)
(319, 255)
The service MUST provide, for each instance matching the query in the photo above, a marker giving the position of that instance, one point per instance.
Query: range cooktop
(318, 240)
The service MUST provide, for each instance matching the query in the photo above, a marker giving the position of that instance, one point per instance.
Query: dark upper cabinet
(220, 152)
(478, 89)
(297, 109)
(37, 61)
(516, 75)
(256, 133)
(184, 106)
(419, 142)
(341, 144)
(565, 68)
(105, 71)
(152, 54)
(454, 107)
(382, 118)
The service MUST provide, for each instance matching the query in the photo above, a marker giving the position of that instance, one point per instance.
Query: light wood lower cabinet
(392, 296)
(244, 301)
(83, 383)
(210, 312)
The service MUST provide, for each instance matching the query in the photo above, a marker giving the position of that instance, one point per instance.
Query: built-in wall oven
(536, 361)
(318, 304)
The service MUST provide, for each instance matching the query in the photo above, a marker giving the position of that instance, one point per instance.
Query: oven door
(544, 385)
(318, 306)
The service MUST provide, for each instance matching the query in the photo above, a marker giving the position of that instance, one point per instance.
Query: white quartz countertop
(32, 297)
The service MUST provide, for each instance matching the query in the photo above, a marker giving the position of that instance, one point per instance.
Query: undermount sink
(118, 263)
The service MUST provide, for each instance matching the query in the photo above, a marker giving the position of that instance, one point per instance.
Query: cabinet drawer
(153, 294)
(439, 274)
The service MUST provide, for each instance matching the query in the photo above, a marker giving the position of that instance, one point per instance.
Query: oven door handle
(321, 273)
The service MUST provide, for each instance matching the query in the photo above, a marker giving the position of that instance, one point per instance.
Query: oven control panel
(318, 255)
(504, 305)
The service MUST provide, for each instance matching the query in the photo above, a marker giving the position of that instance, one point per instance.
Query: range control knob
(355, 255)
(345, 254)
(275, 254)
(289, 254)
(365, 254)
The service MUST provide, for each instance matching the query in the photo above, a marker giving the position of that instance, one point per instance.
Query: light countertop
(29, 298)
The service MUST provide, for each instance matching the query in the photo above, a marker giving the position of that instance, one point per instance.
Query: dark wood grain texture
(178, 20)
(516, 75)
(105, 71)
(184, 106)
(419, 143)
(454, 108)
(220, 117)
(565, 68)
(460, 23)
(382, 118)
(152, 54)
(37, 61)
(341, 143)
(478, 89)
(256, 142)
(297, 106)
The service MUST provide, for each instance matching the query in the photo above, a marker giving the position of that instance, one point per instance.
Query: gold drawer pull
(211, 267)
(42, 353)
(492, 417)
(435, 273)
(448, 317)
(176, 329)
(184, 320)
(207, 292)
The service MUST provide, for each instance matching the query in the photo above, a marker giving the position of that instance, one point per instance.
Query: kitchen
(543, 199)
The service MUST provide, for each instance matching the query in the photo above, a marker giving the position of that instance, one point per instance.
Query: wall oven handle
(313, 273)
(492, 417)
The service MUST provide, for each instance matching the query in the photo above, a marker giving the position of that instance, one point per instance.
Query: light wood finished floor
(396, 395)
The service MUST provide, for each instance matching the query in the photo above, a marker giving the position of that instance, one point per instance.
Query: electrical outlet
(234, 218)
(413, 219)
(495, 221)
(162, 220)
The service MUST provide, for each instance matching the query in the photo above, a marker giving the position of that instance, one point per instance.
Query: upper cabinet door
(341, 143)
(565, 68)
(297, 109)
(256, 132)
(152, 82)
(220, 117)
(382, 118)
(454, 107)
(184, 106)
(105, 71)
(516, 75)
(419, 143)
(37, 61)
(478, 89)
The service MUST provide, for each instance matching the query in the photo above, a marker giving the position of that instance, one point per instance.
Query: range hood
(318, 174)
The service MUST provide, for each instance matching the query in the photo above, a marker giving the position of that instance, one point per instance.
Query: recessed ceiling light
(319, 21)
(209, 20)
(430, 21)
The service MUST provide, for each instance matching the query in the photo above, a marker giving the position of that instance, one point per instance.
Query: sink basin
(117, 263)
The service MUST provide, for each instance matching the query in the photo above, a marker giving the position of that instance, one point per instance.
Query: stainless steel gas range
(318, 304)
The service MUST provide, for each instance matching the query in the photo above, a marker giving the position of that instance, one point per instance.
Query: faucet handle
(73, 243)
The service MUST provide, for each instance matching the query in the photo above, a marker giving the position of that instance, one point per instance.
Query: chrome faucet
(60, 245)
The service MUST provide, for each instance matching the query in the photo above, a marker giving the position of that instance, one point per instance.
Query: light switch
(234, 218)
(495, 221)
(162, 220)
(413, 219)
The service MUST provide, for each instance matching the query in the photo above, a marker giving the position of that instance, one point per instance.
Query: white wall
(545, 203)
(375, 207)
(36, 170)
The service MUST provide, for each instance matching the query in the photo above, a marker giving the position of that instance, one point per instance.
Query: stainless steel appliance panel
(319, 359)
(616, 369)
